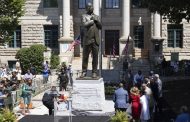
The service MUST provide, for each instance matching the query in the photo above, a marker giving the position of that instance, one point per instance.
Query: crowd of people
(12, 81)
(141, 96)
(167, 68)
(52, 95)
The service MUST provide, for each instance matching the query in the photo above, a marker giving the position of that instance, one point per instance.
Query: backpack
(47, 99)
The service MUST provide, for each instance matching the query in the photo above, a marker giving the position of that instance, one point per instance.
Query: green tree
(32, 55)
(10, 12)
(54, 62)
(173, 10)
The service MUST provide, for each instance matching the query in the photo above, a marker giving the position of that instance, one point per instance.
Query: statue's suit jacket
(91, 29)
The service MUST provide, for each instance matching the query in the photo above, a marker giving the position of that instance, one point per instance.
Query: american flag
(127, 45)
(77, 41)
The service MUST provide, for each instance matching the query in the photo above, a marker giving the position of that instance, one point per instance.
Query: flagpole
(100, 46)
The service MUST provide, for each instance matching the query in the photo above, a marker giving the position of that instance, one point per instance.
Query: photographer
(49, 97)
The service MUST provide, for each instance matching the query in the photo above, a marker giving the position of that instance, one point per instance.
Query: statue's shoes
(83, 75)
(94, 75)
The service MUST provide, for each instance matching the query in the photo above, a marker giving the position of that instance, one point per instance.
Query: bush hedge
(32, 55)
(7, 115)
(120, 117)
(54, 62)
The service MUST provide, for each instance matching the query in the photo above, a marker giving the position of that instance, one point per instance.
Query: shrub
(120, 117)
(109, 90)
(7, 116)
(54, 62)
(33, 55)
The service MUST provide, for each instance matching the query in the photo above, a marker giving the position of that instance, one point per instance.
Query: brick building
(55, 23)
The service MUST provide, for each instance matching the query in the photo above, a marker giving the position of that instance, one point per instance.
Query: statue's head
(89, 8)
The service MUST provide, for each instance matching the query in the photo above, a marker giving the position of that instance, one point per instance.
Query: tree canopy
(174, 10)
(10, 11)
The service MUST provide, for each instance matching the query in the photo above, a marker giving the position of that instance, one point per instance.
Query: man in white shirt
(28, 75)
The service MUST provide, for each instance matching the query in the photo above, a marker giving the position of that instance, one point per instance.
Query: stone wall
(32, 31)
(184, 53)
(36, 17)
(7, 54)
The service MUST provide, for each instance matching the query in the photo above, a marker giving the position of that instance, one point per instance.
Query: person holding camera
(49, 97)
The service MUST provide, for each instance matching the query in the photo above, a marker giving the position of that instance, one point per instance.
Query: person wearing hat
(135, 103)
(121, 99)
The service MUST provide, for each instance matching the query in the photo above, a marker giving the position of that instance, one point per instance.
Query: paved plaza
(40, 109)
(172, 100)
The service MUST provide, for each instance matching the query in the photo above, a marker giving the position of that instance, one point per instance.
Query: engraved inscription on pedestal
(89, 95)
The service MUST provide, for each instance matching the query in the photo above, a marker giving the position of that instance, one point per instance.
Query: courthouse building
(56, 23)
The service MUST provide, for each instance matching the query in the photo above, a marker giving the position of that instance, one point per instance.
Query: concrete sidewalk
(40, 109)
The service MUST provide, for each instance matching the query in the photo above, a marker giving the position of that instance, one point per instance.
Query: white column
(96, 5)
(66, 18)
(126, 19)
(156, 25)
(125, 28)
(66, 39)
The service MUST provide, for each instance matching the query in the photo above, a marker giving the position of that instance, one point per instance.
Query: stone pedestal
(88, 95)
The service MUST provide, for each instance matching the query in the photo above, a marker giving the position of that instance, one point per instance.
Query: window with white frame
(82, 3)
(175, 35)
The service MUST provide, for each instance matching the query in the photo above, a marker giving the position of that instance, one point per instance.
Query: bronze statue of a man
(91, 23)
